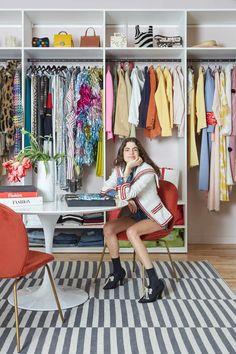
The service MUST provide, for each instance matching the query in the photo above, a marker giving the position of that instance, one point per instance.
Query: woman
(135, 178)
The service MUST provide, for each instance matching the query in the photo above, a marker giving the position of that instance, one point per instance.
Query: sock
(116, 265)
(153, 279)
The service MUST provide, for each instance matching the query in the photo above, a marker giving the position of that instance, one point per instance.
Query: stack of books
(18, 196)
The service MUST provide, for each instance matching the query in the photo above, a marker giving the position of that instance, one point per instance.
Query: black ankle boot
(114, 279)
(152, 294)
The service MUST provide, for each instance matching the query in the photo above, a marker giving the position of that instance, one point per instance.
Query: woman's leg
(135, 231)
(111, 229)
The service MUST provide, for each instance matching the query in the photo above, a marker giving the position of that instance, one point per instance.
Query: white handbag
(171, 175)
(118, 40)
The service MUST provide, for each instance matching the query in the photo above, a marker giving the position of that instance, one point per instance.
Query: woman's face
(130, 151)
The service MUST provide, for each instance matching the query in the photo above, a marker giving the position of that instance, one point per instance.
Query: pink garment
(214, 189)
(109, 104)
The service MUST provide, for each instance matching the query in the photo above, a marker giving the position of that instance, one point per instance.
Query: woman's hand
(134, 163)
(132, 206)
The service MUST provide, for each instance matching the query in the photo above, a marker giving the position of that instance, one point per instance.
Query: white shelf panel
(144, 17)
(10, 53)
(64, 53)
(211, 53)
(66, 226)
(99, 249)
(211, 18)
(65, 17)
(140, 53)
(10, 18)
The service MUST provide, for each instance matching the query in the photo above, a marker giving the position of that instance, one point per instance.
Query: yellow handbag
(63, 39)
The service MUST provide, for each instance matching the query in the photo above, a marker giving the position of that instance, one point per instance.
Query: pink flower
(26, 163)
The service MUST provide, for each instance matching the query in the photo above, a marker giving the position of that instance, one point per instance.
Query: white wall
(109, 4)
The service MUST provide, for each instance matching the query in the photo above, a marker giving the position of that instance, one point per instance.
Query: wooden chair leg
(100, 262)
(143, 277)
(171, 261)
(16, 315)
(55, 292)
(134, 263)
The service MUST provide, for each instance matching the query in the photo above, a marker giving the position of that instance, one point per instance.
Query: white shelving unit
(194, 26)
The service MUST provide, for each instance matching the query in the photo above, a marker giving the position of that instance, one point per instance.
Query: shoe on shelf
(114, 279)
(152, 294)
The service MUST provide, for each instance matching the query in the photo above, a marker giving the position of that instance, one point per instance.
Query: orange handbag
(90, 41)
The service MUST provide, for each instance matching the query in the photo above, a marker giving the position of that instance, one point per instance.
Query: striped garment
(143, 39)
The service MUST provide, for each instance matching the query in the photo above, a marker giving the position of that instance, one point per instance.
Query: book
(27, 188)
(18, 194)
(21, 202)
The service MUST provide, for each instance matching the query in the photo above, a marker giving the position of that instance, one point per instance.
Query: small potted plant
(35, 157)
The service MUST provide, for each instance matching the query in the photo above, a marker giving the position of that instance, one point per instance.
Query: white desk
(41, 298)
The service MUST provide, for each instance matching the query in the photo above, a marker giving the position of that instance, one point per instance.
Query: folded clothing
(91, 235)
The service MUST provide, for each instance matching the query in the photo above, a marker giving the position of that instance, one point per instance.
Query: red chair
(169, 196)
(16, 260)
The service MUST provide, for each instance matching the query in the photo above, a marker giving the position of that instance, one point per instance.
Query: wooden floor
(222, 257)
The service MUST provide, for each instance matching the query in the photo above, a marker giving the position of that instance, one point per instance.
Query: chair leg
(100, 262)
(16, 315)
(171, 261)
(134, 263)
(55, 292)
(143, 277)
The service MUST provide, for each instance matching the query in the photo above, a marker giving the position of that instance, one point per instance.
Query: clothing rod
(3, 60)
(154, 60)
(229, 60)
(65, 60)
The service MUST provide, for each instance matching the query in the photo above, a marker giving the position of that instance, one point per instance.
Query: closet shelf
(10, 53)
(64, 53)
(211, 53)
(152, 53)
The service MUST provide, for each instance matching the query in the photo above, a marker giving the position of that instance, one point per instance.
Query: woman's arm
(109, 186)
(138, 184)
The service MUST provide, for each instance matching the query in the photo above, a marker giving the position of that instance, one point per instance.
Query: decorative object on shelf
(118, 40)
(208, 44)
(168, 41)
(44, 179)
(17, 168)
(143, 39)
(90, 41)
(10, 41)
(63, 39)
(40, 42)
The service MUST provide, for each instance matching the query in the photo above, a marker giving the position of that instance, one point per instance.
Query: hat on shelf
(207, 44)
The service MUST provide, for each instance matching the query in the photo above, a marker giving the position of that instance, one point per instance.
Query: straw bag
(90, 41)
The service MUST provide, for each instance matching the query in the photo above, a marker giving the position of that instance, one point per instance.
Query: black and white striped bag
(143, 39)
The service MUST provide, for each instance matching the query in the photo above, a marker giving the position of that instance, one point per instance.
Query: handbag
(90, 41)
(165, 41)
(170, 175)
(63, 39)
(40, 42)
(118, 40)
(143, 39)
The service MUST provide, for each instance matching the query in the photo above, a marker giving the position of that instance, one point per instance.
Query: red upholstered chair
(16, 260)
(169, 196)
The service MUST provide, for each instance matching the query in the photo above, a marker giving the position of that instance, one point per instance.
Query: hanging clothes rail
(72, 60)
(212, 60)
(154, 60)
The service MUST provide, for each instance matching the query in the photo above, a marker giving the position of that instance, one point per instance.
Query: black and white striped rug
(196, 315)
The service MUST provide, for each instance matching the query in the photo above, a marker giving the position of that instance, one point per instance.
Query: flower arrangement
(27, 159)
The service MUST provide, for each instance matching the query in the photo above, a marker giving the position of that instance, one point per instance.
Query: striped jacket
(143, 189)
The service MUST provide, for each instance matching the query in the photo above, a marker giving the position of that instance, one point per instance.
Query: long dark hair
(119, 161)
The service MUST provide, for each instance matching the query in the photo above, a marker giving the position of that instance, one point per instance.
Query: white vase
(44, 180)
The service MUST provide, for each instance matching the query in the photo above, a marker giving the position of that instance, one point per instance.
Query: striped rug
(196, 315)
